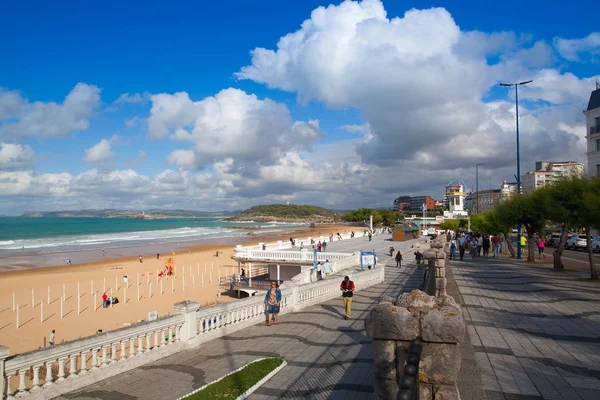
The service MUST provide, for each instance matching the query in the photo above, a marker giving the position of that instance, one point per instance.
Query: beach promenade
(535, 332)
(328, 357)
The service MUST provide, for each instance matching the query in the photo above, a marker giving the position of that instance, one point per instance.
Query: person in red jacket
(347, 287)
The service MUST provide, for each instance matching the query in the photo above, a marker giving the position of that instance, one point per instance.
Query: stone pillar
(438, 322)
(188, 309)
(4, 352)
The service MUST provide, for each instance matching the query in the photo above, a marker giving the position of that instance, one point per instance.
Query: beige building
(489, 199)
(592, 116)
(548, 172)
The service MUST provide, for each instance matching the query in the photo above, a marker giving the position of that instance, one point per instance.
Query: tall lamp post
(477, 184)
(516, 86)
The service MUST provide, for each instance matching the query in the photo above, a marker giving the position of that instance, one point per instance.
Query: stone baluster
(35, 384)
(49, 377)
(73, 367)
(178, 333)
(156, 341)
(104, 362)
(9, 388)
(22, 383)
(123, 350)
(94, 359)
(131, 348)
(170, 337)
(140, 345)
(148, 343)
(61, 369)
(84, 369)
(163, 341)
(113, 353)
(4, 352)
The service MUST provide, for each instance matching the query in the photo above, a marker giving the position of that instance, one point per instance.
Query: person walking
(272, 303)
(523, 243)
(461, 246)
(418, 257)
(474, 246)
(497, 242)
(486, 245)
(453, 249)
(398, 259)
(347, 287)
(51, 338)
(541, 247)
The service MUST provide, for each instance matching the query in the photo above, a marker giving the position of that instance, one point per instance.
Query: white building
(547, 172)
(455, 196)
(592, 114)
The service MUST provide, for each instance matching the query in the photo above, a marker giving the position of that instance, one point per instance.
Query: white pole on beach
(203, 279)
(212, 266)
(62, 302)
(78, 300)
(32, 299)
(204, 267)
(219, 276)
(91, 287)
(104, 288)
(161, 289)
(95, 301)
(117, 282)
(64, 293)
(148, 276)
(17, 316)
(78, 296)
(138, 287)
(198, 269)
(172, 286)
(156, 276)
(42, 312)
(210, 277)
(48, 294)
(191, 273)
(14, 302)
(149, 290)
(193, 281)
(183, 281)
(125, 293)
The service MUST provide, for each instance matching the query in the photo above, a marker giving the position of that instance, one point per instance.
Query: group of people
(476, 244)
(324, 268)
(273, 299)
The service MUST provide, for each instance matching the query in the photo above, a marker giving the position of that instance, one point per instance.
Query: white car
(596, 244)
(576, 242)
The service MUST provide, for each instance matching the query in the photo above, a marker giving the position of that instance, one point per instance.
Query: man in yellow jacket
(523, 242)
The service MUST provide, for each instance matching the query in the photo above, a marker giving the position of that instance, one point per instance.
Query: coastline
(197, 260)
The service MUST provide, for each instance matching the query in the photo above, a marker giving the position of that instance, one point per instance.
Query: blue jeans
(497, 247)
(453, 253)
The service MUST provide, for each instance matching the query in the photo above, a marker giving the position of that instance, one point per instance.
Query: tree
(450, 224)
(364, 214)
(590, 216)
(566, 196)
(492, 223)
(388, 217)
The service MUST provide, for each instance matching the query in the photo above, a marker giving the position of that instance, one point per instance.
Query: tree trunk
(530, 247)
(557, 254)
(588, 237)
(509, 245)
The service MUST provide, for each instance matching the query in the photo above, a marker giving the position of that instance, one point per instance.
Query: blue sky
(149, 48)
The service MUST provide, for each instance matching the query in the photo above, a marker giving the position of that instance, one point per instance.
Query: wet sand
(197, 262)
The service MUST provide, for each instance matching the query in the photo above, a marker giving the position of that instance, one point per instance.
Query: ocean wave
(185, 233)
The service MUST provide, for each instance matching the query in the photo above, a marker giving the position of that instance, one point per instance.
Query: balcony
(594, 129)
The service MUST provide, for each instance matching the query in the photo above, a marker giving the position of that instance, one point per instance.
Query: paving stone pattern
(328, 357)
(535, 331)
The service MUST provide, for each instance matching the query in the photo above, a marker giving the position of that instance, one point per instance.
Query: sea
(31, 241)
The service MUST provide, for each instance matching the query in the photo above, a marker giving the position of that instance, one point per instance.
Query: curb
(250, 390)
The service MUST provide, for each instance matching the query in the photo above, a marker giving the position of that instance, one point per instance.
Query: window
(597, 123)
(597, 144)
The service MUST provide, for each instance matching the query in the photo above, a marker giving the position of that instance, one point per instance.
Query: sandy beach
(197, 272)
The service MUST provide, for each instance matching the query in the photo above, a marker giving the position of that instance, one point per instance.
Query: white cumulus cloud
(15, 156)
(101, 152)
(20, 118)
(572, 49)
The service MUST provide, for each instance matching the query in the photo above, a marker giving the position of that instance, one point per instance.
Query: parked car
(553, 240)
(596, 244)
(576, 242)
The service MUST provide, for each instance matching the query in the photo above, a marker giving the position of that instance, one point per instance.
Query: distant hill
(113, 213)
(287, 213)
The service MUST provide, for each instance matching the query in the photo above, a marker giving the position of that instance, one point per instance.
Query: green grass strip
(232, 386)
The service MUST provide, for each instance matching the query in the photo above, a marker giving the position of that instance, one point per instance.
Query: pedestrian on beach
(273, 302)
(158, 256)
(347, 287)
(102, 252)
(51, 339)
(140, 258)
(105, 300)
(398, 259)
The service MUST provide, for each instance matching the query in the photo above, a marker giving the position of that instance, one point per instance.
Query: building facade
(414, 203)
(455, 198)
(548, 172)
(592, 117)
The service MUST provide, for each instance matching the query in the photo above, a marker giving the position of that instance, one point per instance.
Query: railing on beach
(289, 255)
(50, 372)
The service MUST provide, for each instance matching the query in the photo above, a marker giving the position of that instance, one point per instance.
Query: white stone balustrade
(123, 349)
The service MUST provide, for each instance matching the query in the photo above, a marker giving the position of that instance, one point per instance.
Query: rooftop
(594, 100)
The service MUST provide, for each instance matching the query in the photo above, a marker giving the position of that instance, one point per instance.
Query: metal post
(519, 250)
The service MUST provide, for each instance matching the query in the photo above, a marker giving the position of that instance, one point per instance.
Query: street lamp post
(516, 86)
(477, 184)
